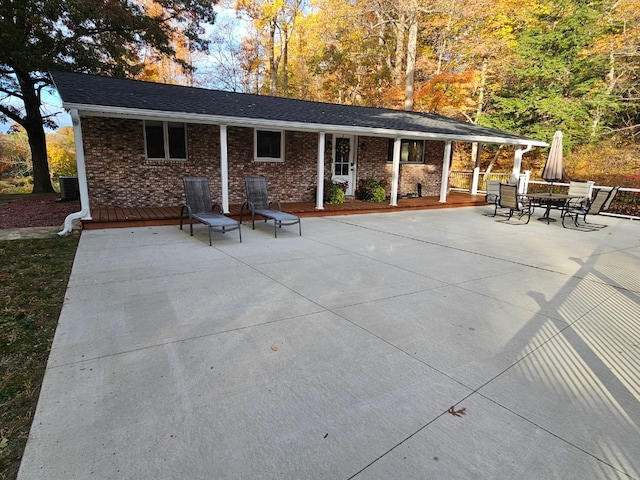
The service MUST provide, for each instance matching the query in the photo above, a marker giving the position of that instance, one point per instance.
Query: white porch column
(320, 168)
(524, 182)
(475, 154)
(85, 208)
(395, 176)
(474, 180)
(224, 169)
(446, 163)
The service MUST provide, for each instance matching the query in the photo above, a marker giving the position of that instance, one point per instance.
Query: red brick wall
(293, 180)
(118, 173)
(372, 162)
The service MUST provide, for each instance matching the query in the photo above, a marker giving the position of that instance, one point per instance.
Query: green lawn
(33, 281)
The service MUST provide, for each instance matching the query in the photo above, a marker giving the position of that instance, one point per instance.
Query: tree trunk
(492, 162)
(411, 62)
(611, 81)
(475, 151)
(285, 61)
(400, 49)
(33, 125)
(273, 67)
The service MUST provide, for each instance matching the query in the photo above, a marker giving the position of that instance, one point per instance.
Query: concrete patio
(436, 344)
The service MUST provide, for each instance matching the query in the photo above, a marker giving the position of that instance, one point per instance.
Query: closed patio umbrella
(552, 171)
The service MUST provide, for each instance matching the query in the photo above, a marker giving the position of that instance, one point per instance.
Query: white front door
(343, 168)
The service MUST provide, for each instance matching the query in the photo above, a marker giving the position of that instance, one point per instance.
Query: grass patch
(33, 282)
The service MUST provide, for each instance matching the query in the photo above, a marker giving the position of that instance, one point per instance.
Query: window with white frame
(268, 145)
(165, 140)
(411, 151)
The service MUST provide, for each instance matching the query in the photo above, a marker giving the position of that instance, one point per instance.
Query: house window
(269, 146)
(165, 140)
(411, 151)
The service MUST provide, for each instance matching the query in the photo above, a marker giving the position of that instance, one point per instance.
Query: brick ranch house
(136, 140)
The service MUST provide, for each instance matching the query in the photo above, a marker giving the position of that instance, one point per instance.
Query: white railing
(626, 203)
(462, 180)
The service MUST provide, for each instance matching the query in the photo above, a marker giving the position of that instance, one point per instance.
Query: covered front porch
(113, 217)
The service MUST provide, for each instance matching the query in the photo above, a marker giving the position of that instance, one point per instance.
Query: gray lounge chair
(199, 207)
(515, 203)
(258, 204)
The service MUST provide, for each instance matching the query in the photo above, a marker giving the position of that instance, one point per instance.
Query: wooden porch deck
(112, 217)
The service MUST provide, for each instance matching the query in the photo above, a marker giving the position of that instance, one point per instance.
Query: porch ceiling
(115, 97)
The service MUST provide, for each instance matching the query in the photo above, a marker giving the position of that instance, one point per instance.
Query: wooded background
(524, 67)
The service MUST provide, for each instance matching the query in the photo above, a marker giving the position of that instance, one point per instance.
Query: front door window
(343, 164)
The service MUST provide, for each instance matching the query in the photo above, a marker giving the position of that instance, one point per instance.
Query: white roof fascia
(140, 114)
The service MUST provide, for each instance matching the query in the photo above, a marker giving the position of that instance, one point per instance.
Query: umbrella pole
(546, 217)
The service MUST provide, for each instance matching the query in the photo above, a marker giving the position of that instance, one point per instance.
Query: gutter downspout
(85, 211)
(517, 160)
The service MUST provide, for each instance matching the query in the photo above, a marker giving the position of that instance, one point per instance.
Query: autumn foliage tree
(527, 67)
(62, 152)
(97, 36)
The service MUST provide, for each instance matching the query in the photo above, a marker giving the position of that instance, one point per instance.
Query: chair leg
(510, 214)
(209, 235)
(181, 215)
(242, 211)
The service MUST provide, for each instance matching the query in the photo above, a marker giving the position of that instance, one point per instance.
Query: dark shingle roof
(105, 95)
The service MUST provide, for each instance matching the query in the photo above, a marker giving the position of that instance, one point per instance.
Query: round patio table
(549, 199)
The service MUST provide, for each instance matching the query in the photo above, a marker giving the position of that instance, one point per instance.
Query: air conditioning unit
(69, 188)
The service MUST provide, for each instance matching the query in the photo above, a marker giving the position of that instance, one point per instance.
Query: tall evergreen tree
(553, 85)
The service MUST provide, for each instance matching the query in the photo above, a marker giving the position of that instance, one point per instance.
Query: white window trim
(165, 139)
(255, 146)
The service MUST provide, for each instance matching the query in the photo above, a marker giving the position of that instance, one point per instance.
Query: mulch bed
(34, 210)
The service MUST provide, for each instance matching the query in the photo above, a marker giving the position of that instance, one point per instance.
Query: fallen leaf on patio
(457, 413)
(274, 348)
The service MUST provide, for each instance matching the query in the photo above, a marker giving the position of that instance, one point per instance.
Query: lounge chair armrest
(277, 203)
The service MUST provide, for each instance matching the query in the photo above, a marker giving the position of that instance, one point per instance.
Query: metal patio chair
(582, 189)
(515, 203)
(199, 207)
(600, 203)
(258, 204)
(609, 201)
(493, 195)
